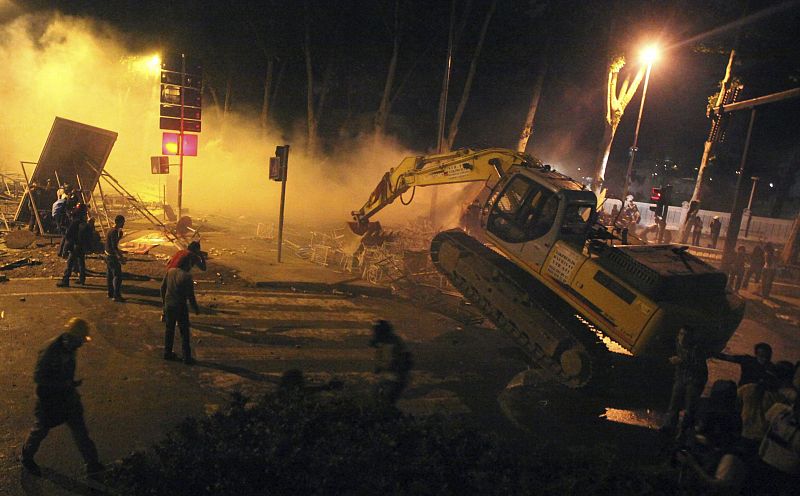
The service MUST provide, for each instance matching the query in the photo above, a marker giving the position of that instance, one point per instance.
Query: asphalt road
(244, 340)
(246, 337)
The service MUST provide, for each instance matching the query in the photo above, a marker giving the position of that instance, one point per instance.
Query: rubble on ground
(399, 259)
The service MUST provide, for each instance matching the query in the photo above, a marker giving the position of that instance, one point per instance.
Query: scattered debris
(3, 278)
(19, 239)
(20, 263)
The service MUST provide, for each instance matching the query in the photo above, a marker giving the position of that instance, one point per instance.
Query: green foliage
(295, 444)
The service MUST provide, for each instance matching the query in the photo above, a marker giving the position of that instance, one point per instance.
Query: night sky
(352, 39)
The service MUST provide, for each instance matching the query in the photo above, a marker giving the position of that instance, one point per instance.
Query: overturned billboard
(74, 154)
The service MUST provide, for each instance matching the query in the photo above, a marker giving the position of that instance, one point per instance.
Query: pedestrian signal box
(159, 165)
(279, 163)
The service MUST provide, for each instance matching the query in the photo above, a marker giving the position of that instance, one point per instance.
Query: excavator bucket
(362, 234)
(362, 228)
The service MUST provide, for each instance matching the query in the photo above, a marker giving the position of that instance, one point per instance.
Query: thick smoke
(79, 69)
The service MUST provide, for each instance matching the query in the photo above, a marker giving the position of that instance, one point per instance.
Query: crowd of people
(743, 437)
(759, 266)
(57, 398)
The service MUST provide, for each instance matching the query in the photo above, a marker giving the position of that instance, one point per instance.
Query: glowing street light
(154, 64)
(648, 55)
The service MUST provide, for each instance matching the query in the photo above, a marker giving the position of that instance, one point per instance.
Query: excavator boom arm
(460, 166)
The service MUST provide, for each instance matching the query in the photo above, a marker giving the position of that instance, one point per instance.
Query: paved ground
(248, 335)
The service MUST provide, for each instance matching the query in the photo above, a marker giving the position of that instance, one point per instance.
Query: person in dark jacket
(697, 230)
(756, 266)
(770, 269)
(77, 241)
(197, 257)
(392, 362)
(754, 368)
(715, 227)
(691, 374)
(57, 398)
(114, 259)
(737, 269)
(177, 289)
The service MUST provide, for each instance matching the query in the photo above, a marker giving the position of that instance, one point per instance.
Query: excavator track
(542, 326)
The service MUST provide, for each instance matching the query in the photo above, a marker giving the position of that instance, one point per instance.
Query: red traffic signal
(655, 194)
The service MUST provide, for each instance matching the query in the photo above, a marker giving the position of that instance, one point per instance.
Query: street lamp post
(648, 55)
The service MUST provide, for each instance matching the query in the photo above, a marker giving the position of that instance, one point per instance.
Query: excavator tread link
(531, 295)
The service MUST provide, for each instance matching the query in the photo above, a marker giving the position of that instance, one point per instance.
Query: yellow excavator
(535, 261)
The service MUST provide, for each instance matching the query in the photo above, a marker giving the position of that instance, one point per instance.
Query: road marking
(51, 293)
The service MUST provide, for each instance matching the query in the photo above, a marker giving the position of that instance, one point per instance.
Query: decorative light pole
(649, 55)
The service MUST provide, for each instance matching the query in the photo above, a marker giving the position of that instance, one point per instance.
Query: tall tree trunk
(382, 115)
(697, 195)
(276, 87)
(527, 129)
(228, 91)
(264, 117)
(615, 108)
(323, 91)
(453, 131)
(609, 131)
(310, 115)
(440, 141)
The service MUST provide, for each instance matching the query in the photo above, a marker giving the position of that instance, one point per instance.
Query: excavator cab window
(524, 211)
(576, 219)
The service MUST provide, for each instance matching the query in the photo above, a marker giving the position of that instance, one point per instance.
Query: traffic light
(662, 196)
(169, 144)
(655, 194)
(279, 163)
(181, 98)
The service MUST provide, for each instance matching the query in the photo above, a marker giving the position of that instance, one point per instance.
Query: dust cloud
(84, 70)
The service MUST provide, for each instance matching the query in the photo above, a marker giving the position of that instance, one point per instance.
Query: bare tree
(540, 10)
(723, 85)
(382, 115)
(453, 130)
(615, 107)
(263, 117)
(527, 129)
(312, 118)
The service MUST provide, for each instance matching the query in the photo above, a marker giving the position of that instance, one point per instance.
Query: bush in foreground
(297, 444)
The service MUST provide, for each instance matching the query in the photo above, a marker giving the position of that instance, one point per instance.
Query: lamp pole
(636, 135)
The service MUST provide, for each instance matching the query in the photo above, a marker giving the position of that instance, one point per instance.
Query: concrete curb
(322, 287)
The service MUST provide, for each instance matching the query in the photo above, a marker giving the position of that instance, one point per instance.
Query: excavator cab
(527, 214)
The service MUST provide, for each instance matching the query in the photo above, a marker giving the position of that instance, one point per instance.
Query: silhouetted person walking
(715, 226)
(691, 374)
(770, 269)
(392, 362)
(57, 399)
(77, 241)
(114, 260)
(736, 272)
(177, 293)
(756, 266)
(697, 230)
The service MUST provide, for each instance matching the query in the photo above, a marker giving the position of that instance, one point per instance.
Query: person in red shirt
(193, 252)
